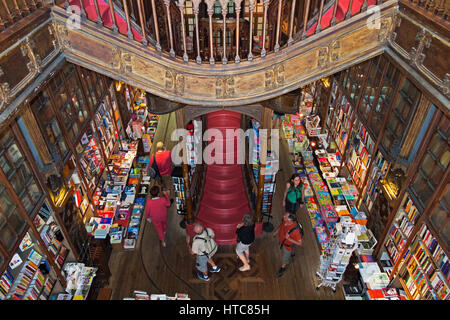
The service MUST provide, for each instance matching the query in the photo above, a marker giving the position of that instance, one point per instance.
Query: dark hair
(292, 217)
(295, 175)
(154, 191)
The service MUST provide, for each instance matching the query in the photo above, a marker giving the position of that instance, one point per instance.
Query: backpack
(298, 226)
(210, 244)
(153, 171)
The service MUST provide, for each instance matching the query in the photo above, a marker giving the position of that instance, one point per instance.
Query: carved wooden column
(99, 18)
(348, 15)
(237, 6)
(155, 25)
(189, 217)
(251, 8)
(113, 16)
(277, 38)
(8, 12)
(210, 4)
(333, 19)
(266, 5)
(291, 23)
(183, 31)
(83, 11)
(127, 16)
(305, 19)
(319, 27)
(265, 124)
(196, 4)
(224, 4)
(169, 22)
(141, 18)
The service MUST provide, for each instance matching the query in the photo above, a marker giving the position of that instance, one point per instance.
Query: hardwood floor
(169, 270)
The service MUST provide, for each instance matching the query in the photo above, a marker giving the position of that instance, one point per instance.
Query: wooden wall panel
(435, 58)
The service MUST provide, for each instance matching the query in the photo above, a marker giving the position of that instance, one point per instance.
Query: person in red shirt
(289, 237)
(163, 159)
(156, 212)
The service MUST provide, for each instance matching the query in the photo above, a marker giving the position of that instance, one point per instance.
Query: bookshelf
(401, 228)
(341, 123)
(360, 149)
(104, 120)
(423, 267)
(377, 171)
(28, 275)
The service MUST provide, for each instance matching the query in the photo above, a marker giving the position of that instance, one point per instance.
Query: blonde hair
(160, 145)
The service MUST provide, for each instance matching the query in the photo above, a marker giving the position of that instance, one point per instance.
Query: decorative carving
(175, 81)
(274, 76)
(224, 87)
(328, 54)
(5, 95)
(396, 22)
(62, 34)
(445, 85)
(416, 56)
(35, 64)
(384, 30)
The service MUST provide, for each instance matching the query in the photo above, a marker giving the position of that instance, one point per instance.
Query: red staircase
(224, 200)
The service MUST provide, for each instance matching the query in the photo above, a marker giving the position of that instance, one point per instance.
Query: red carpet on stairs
(224, 200)
(340, 13)
(105, 14)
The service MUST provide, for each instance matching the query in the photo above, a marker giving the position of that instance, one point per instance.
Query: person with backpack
(290, 235)
(245, 236)
(156, 212)
(204, 247)
(160, 167)
(294, 195)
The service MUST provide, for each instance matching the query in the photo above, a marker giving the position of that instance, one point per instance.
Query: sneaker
(215, 269)
(202, 276)
(243, 268)
(281, 272)
(163, 243)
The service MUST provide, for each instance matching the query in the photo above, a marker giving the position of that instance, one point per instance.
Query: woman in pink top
(156, 210)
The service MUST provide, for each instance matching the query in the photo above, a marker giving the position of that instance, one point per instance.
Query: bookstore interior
(378, 234)
(360, 115)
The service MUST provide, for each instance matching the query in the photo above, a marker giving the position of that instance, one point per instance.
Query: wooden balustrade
(209, 30)
(12, 11)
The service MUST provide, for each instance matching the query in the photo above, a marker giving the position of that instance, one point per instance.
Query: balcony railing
(225, 31)
(438, 10)
(11, 11)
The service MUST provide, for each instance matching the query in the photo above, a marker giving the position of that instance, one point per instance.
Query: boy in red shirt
(288, 241)
(156, 210)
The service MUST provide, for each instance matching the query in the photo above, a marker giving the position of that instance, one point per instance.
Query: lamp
(119, 85)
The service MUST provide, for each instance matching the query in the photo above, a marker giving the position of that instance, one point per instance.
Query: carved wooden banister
(168, 26)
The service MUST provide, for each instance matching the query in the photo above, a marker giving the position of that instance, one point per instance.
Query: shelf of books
(401, 228)
(90, 158)
(341, 123)
(180, 194)
(378, 170)
(359, 150)
(120, 200)
(427, 267)
(79, 280)
(106, 129)
(28, 275)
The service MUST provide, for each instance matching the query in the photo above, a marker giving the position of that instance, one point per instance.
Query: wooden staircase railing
(236, 30)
